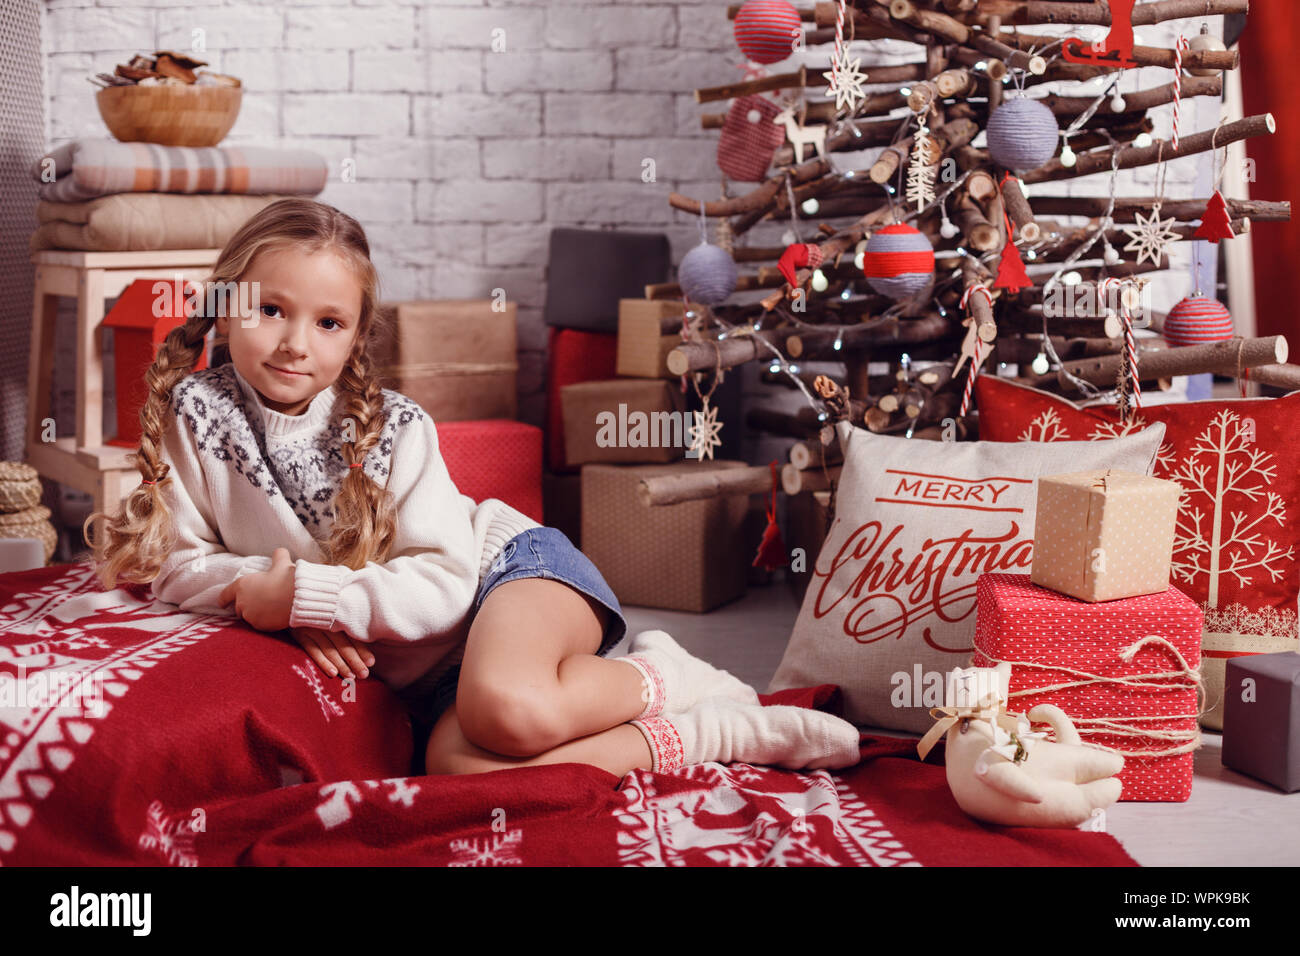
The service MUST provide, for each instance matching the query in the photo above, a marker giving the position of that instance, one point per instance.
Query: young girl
(287, 487)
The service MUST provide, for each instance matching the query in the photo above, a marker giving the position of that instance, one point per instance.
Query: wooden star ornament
(704, 433)
(846, 81)
(1151, 237)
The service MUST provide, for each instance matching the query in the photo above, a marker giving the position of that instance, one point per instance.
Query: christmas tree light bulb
(948, 229)
(1040, 365)
(1112, 256)
(1071, 278)
(810, 206)
(1117, 103)
(1068, 159)
(839, 341)
(1143, 140)
(819, 281)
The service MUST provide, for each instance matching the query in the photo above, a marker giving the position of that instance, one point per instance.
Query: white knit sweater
(249, 479)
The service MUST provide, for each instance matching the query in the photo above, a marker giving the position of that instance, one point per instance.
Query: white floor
(1230, 820)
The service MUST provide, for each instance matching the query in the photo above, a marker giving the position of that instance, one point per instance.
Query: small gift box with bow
(1126, 671)
(1104, 535)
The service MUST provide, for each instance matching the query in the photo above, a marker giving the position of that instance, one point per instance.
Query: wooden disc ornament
(707, 274)
(1022, 135)
(766, 29)
(898, 261)
(1197, 320)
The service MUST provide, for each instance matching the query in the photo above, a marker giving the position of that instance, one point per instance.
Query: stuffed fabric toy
(1001, 772)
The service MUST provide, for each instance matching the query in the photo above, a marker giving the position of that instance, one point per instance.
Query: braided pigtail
(141, 534)
(365, 515)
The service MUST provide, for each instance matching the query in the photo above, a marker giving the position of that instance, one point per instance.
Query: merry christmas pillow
(1237, 542)
(890, 608)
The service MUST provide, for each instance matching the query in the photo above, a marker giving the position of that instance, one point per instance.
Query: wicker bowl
(170, 115)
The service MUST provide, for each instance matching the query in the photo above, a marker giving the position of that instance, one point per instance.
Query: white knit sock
(727, 731)
(683, 679)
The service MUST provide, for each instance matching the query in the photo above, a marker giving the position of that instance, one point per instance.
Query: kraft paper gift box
(1126, 672)
(1261, 718)
(648, 329)
(1104, 535)
(688, 556)
(456, 358)
(625, 420)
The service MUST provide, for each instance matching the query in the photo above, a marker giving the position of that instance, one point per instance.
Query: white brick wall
(465, 157)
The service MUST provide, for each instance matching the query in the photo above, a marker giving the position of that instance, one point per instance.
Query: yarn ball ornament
(1022, 135)
(898, 261)
(765, 30)
(1197, 320)
(707, 274)
(747, 144)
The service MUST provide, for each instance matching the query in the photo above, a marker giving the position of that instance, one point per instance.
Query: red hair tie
(356, 464)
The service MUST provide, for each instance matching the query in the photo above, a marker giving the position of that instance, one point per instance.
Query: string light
(810, 206)
(819, 281)
(839, 341)
(1143, 140)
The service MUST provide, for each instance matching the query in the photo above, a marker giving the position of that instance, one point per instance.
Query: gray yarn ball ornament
(707, 274)
(1022, 135)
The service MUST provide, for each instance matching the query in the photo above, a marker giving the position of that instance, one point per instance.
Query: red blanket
(137, 734)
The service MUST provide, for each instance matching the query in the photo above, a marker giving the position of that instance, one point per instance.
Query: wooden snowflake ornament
(845, 82)
(704, 433)
(1151, 237)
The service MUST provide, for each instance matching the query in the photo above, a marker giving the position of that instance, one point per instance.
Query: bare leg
(618, 750)
(530, 680)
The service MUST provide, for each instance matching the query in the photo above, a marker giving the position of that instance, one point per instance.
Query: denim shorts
(536, 553)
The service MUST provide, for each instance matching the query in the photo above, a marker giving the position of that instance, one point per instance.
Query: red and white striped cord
(839, 32)
(974, 370)
(1179, 47)
(1130, 345)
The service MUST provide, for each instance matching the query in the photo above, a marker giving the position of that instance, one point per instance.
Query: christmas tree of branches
(930, 252)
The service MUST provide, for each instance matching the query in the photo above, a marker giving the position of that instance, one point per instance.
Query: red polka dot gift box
(1237, 541)
(1126, 672)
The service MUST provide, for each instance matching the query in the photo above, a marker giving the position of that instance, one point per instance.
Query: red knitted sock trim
(654, 687)
(666, 751)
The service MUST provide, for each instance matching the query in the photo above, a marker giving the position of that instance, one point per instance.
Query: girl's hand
(264, 599)
(335, 651)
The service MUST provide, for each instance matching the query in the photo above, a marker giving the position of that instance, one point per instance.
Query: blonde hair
(142, 533)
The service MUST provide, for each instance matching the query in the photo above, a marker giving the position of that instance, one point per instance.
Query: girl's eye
(335, 321)
(273, 308)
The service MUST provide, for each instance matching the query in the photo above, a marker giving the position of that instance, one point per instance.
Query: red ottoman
(495, 458)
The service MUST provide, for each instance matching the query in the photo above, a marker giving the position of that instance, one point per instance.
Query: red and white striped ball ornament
(1197, 321)
(765, 30)
(898, 261)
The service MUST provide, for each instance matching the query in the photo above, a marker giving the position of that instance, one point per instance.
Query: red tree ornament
(1215, 224)
(1011, 269)
(771, 550)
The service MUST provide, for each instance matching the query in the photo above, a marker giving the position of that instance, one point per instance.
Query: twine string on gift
(1185, 677)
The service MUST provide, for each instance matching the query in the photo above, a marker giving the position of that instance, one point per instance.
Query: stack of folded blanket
(107, 196)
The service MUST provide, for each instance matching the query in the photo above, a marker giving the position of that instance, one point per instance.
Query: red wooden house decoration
(140, 320)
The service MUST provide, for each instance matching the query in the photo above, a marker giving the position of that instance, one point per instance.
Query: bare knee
(512, 721)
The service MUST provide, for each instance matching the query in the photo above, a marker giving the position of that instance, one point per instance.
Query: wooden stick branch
(758, 198)
(1099, 160)
(1221, 358)
(781, 81)
(1137, 102)
(730, 352)
(1141, 55)
(696, 485)
(1026, 12)
(1126, 209)
(1019, 211)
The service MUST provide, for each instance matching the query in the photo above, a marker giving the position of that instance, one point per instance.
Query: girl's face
(295, 344)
